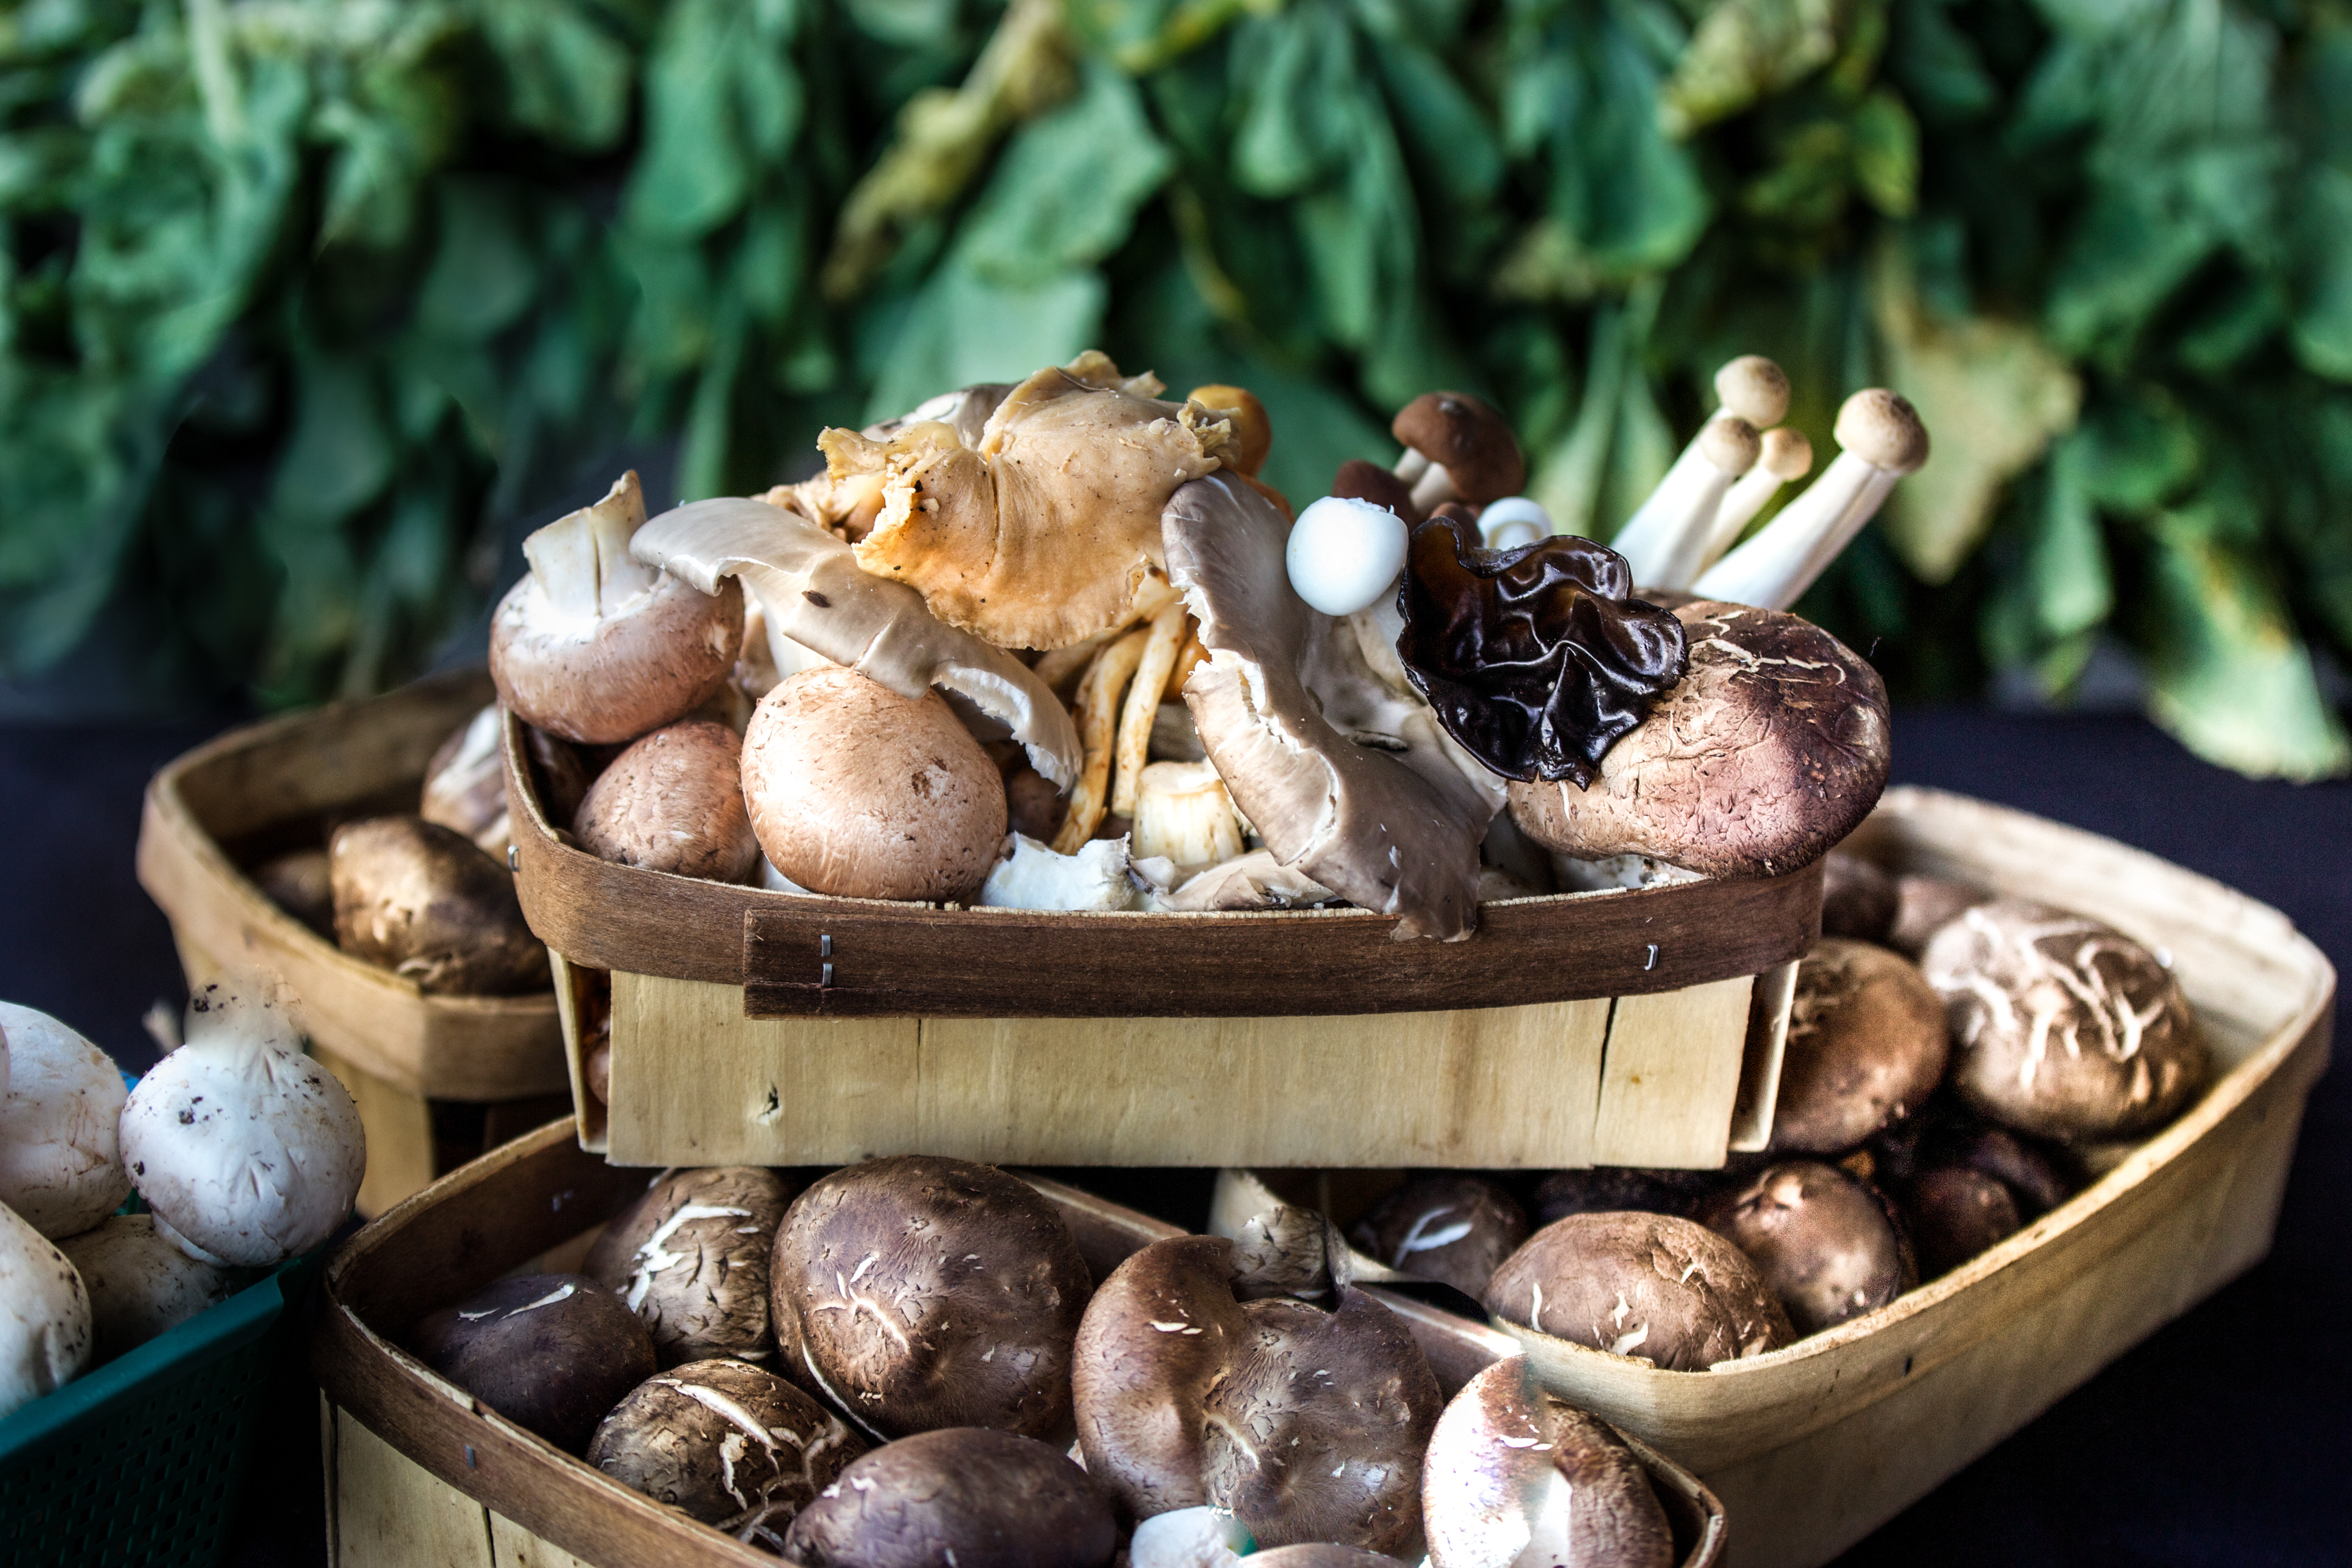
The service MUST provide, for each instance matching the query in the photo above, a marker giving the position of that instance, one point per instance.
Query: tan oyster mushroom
(673, 801)
(1253, 430)
(811, 593)
(1772, 748)
(1041, 534)
(1653, 1285)
(1357, 820)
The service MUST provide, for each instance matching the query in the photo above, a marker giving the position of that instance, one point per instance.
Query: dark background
(2218, 1441)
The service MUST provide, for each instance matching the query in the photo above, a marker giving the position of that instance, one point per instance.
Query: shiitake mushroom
(1453, 1228)
(1924, 905)
(1954, 1213)
(1829, 1246)
(1656, 1287)
(1866, 1047)
(1859, 900)
(551, 1353)
(691, 1258)
(970, 1496)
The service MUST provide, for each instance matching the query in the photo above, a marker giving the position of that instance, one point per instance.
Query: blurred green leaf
(1743, 50)
(1065, 193)
(965, 327)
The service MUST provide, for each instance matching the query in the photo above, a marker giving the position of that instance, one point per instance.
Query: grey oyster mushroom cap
(1772, 748)
(1453, 1228)
(61, 1163)
(1253, 881)
(423, 901)
(812, 592)
(965, 410)
(1661, 1289)
(914, 1292)
(1828, 1247)
(2061, 1026)
(1867, 1044)
(728, 1443)
(690, 1258)
(45, 1319)
(969, 1495)
(1357, 820)
(551, 1353)
(673, 801)
(141, 1282)
(1517, 1476)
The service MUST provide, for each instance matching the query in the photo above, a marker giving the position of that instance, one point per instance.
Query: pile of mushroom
(1054, 644)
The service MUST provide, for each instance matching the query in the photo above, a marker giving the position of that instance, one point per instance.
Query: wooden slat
(514, 1547)
(390, 1513)
(399, 1124)
(1759, 1061)
(1671, 1076)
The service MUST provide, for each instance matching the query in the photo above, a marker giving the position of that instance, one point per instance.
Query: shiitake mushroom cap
(1829, 1246)
(1456, 1229)
(691, 1256)
(1867, 1045)
(1858, 898)
(1926, 905)
(972, 1496)
(1655, 1287)
(1955, 1213)
(551, 1353)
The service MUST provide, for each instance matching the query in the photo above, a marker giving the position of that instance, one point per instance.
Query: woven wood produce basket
(1812, 1447)
(437, 1079)
(419, 1473)
(1628, 1027)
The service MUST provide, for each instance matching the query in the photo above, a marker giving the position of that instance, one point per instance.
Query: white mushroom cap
(250, 1151)
(1512, 521)
(1199, 1537)
(140, 1281)
(1755, 389)
(59, 1167)
(45, 1323)
(1344, 554)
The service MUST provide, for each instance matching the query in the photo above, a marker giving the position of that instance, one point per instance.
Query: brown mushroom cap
(300, 882)
(1956, 1212)
(1308, 1425)
(673, 801)
(1926, 905)
(1655, 1287)
(1867, 1045)
(1824, 1243)
(1453, 1228)
(728, 1443)
(856, 790)
(1360, 481)
(551, 1353)
(1858, 898)
(1323, 1554)
(1755, 389)
(1253, 435)
(423, 901)
(2061, 1026)
(1516, 1475)
(1772, 748)
(917, 1293)
(967, 1496)
(691, 1258)
(1465, 437)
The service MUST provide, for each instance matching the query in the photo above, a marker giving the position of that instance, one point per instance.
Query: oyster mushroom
(1308, 1425)
(673, 801)
(1663, 1289)
(1456, 448)
(60, 1163)
(1031, 875)
(1772, 748)
(551, 1353)
(45, 1320)
(690, 1258)
(1517, 1476)
(1867, 1044)
(965, 1495)
(423, 901)
(1827, 1245)
(1182, 812)
(596, 648)
(141, 1283)
(1453, 1228)
(1364, 823)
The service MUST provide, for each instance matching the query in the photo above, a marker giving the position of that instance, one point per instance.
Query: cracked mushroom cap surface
(691, 1258)
(1040, 535)
(673, 801)
(1828, 1247)
(1772, 748)
(1657, 1287)
(2061, 1026)
(968, 1496)
(1360, 821)
(1516, 1475)
(1867, 1044)
(1308, 1425)
(551, 1353)
(916, 1293)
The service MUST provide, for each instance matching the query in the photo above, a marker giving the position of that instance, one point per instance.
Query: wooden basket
(437, 1079)
(420, 1473)
(1813, 1447)
(1631, 1026)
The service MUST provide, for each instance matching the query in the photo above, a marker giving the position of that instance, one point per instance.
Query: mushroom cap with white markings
(551, 1353)
(1655, 1287)
(960, 1496)
(691, 1258)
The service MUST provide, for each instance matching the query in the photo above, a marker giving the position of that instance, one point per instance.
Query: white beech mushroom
(597, 647)
(1457, 447)
(1662, 1288)
(1517, 1478)
(1343, 555)
(426, 903)
(1867, 1045)
(1031, 875)
(45, 1319)
(963, 1497)
(690, 1258)
(1358, 821)
(812, 591)
(673, 801)
(1829, 1246)
(247, 1150)
(1663, 539)
(466, 783)
(60, 1165)
(1880, 439)
(1772, 748)
(1786, 458)
(551, 1353)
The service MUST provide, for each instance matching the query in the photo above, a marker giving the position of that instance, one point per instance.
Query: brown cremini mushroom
(1453, 1229)
(300, 882)
(1867, 1044)
(1663, 1289)
(1605, 1188)
(1827, 1245)
(673, 801)
(1858, 898)
(551, 1353)
(423, 901)
(691, 1258)
(1956, 1212)
(1926, 905)
(1360, 481)
(1456, 448)
(965, 1495)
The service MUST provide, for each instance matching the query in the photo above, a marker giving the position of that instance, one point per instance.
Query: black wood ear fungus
(1536, 658)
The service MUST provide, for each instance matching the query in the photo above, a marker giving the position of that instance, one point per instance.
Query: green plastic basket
(141, 1462)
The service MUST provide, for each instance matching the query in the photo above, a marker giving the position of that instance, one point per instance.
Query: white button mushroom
(44, 1328)
(1344, 554)
(1512, 521)
(141, 1282)
(250, 1152)
(59, 1163)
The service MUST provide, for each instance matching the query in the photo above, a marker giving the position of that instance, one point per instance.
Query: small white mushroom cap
(1512, 521)
(60, 1168)
(1189, 1538)
(1032, 877)
(141, 1282)
(45, 1323)
(1755, 389)
(249, 1151)
(1344, 553)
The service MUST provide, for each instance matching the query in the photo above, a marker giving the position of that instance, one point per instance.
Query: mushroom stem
(1683, 507)
(1099, 711)
(581, 559)
(1433, 489)
(1786, 458)
(1142, 705)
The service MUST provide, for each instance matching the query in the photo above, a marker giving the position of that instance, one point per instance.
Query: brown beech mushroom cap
(423, 901)
(1825, 1244)
(730, 1444)
(1603, 1188)
(1362, 822)
(1308, 1425)
(673, 801)
(1926, 905)
(465, 781)
(1858, 898)
(967, 1496)
(1956, 1212)
(599, 649)
(1516, 1475)
(1360, 481)
(1655, 1287)
(916, 1293)
(1772, 748)
(1253, 431)
(1468, 440)
(2061, 1026)
(691, 1258)
(1867, 1045)
(551, 1353)
(1456, 1229)
(856, 790)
